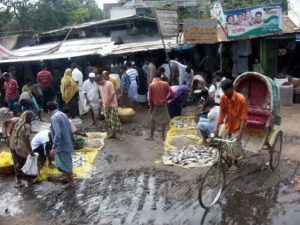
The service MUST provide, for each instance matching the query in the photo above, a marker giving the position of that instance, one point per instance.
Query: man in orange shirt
(159, 93)
(234, 112)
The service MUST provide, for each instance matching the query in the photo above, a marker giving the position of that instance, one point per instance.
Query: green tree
(20, 11)
(54, 14)
(41, 15)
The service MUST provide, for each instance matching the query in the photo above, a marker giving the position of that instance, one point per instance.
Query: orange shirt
(159, 92)
(233, 110)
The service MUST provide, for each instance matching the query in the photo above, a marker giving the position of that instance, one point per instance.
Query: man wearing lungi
(109, 106)
(159, 93)
(234, 113)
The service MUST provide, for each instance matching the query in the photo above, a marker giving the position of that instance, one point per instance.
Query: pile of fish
(184, 123)
(93, 144)
(78, 159)
(192, 154)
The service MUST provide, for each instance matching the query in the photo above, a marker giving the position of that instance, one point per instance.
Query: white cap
(132, 62)
(92, 75)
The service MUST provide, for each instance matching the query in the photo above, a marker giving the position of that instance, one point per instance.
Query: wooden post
(164, 46)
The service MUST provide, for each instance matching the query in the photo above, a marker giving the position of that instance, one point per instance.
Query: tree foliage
(40, 15)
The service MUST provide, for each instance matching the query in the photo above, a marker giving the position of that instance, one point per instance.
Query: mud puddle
(276, 206)
(127, 197)
(158, 197)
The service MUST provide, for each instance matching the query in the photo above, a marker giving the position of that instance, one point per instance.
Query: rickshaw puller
(234, 110)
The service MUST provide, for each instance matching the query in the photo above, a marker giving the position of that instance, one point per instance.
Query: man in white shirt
(189, 76)
(91, 93)
(167, 72)
(218, 75)
(42, 144)
(181, 69)
(208, 120)
(78, 77)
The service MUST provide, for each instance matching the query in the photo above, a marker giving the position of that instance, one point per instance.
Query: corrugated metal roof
(143, 46)
(69, 48)
(100, 22)
(88, 46)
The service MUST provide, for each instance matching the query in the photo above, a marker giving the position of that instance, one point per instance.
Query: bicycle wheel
(212, 186)
(276, 151)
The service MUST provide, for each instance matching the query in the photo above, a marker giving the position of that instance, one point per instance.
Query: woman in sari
(69, 91)
(19, 143)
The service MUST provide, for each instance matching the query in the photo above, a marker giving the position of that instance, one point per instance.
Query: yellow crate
(179, 119)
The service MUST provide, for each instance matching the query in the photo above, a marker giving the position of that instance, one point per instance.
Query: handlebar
(223, 140)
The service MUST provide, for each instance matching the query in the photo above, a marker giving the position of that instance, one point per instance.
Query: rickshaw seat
(258, 117)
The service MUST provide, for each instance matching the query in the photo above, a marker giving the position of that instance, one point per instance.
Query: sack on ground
(31, 168)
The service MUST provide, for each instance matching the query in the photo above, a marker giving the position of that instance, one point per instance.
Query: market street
(128, 187)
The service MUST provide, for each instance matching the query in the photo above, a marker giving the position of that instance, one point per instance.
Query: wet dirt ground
(128, 187)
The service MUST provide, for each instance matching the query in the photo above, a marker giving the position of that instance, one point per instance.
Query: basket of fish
(183, 122)
(182, 132)
(191, 155)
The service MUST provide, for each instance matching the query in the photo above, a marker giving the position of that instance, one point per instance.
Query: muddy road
(156, 195)
(128, 187)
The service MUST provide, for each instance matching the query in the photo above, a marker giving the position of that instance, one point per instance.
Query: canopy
(259, 90)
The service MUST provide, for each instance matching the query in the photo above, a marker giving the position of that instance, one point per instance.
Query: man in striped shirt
(133, 87)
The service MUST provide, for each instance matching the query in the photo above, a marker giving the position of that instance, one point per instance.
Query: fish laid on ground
(94, 143)
(192, 154)
(78, 160)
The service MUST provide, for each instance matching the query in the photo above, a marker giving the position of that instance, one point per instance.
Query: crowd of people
(165, 91)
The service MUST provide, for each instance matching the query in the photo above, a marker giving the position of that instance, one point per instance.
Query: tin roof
(82, 47)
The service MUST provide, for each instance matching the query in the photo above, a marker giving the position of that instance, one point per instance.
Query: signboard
(294, 11)
(200, 30)
(167, 21)
(216, 12)
(253, 21)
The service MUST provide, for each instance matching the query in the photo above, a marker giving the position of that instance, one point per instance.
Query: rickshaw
(262, 134)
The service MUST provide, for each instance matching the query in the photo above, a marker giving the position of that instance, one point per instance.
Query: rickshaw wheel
(276, 151)
(212, 186)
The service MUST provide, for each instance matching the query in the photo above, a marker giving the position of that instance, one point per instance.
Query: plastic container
(79, 143)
